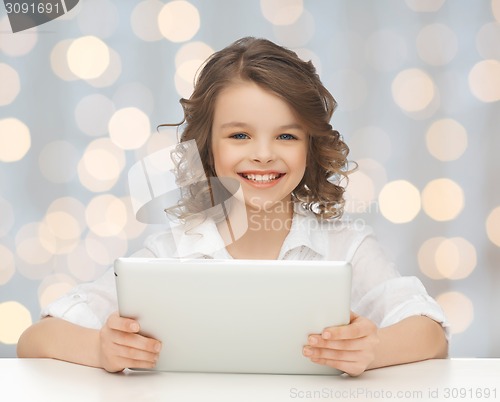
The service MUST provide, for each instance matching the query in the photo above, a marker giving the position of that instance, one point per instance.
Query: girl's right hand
(120, 345)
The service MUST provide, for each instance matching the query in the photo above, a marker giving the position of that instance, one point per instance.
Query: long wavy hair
(295, 81)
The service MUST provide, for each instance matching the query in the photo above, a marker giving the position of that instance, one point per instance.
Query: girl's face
(258, 140)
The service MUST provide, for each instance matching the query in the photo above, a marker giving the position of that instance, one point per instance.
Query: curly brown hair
(281, 71)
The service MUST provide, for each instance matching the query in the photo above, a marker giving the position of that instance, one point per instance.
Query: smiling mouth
(262, 178)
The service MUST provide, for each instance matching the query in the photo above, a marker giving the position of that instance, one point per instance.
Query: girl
(260, 117)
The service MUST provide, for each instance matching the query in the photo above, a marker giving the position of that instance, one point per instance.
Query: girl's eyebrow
(234, 124)
(291, 126)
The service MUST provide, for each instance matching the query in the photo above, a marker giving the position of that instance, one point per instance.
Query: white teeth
(261, 178)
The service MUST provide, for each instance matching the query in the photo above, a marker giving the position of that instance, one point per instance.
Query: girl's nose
(263, 152)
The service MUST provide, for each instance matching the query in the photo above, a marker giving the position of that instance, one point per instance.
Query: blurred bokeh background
(418, 88)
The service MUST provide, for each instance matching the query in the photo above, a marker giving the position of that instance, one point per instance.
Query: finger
(332, 354)
(136, 341)
(343, 344)
(122, 324)
(129, 353)
(358, 328)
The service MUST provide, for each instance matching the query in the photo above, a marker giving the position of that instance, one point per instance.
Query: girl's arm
(115, 347)
(62, 340)
(360, 345)
(412, 339)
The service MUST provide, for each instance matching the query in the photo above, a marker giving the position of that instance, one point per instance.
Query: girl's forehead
(247, 93)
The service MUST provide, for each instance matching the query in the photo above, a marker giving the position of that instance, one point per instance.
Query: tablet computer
(234, 316)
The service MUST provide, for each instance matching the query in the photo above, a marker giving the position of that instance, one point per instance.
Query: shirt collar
(306, 231)
(205, 240)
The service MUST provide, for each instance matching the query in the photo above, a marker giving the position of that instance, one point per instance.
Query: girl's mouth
(262, 178)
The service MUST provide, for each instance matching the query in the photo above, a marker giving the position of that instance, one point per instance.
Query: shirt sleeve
(381, 294)
(89, 304)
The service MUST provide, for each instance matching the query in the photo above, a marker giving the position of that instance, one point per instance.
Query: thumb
(353, 316)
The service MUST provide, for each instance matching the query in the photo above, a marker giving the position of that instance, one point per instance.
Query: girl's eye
(239, 136)
(286, 137)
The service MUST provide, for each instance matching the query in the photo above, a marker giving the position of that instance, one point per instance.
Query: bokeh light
(456, 258)
(487, 40)
(179, 21)
(54, 236)
(63, 225)
(32, 252)
(112, 72)
(88, 57)
(188, 60)
(297, 34)
(58, 161)
(129, 128)
(459, 310)
(360, 193)
(442, 199)
(70, 206)
(364, 185)
(399, 201)
(193, 51)
(282, 12)
(425, 6)
(10, 84)
(484, 80)
(80, 265)
(54, 286)
(16, 45)
(7, 266)
(15, 140)
(184, 78)
(59, 61)
(18, 317)
(493, 226)
(101, 165)
(92, 114)
(495, 7)
(144, 20)
(106, 215)
(413, 90)
(446, 139)
(437, 44)
(133, 228)
(427, 257)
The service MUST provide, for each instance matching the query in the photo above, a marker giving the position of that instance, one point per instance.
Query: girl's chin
(259, 204)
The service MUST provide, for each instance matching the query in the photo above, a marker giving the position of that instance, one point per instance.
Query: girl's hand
(120, 345)
(350, 348)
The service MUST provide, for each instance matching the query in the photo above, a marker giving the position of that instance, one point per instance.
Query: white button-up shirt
(378, 292)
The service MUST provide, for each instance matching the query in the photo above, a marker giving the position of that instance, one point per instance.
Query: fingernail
(134, 327)
(307, 351)
(326, 335)
(312, 340)
(157, 347)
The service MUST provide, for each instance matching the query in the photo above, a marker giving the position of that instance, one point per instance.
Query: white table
(434, 380)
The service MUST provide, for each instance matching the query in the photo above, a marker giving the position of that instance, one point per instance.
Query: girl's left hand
(349, 348)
